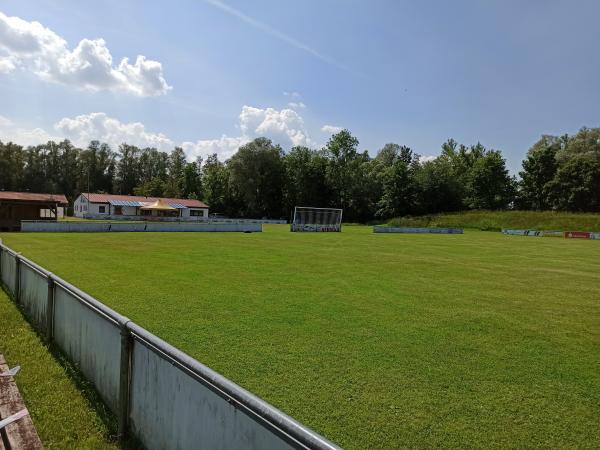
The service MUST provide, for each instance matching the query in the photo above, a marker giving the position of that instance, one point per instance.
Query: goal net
(316, 219)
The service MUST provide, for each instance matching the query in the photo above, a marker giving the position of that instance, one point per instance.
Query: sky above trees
(210, 76)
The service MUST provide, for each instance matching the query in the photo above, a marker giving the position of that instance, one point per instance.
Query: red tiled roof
(34, 197)
(105, 198)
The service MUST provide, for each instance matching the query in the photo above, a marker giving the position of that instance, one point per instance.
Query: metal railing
(165, 398)
(105, 227)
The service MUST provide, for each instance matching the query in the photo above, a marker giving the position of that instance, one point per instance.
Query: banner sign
(418, 230)
(552, 233)
(332, 228)
(578, 234)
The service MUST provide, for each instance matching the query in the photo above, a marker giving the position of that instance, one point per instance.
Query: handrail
(82, 296)
(260, 410)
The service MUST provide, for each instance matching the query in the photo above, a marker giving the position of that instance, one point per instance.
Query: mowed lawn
(376, 341)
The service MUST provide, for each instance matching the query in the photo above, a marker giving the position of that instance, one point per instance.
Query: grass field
(62, 415)
(496, 220)
(376, 341)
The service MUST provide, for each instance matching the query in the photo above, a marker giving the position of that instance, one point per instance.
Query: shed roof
(33, 197)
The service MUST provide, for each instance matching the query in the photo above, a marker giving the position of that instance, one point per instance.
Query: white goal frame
(308, 218)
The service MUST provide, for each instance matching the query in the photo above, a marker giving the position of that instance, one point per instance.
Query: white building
(108, 205)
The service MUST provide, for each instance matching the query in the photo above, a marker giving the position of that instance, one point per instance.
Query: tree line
(261, 180)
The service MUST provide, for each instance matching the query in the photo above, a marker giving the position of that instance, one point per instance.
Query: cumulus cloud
(11, 132)
(224, 147)
(98, 126)
(331, 129)
(33, 47)
(84, 128)
(285, 127)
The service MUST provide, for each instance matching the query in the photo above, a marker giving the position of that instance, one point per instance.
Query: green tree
(257, 176)
(153, 188)
(176, 179)
(397, 177)
(12, 162)
(192, 184)
(216, 185)
(128, 174)
(576, 186)
(539, 169)
(345, 173)
(305, 178)
(68, 174)
(490, 186)
(437, 189)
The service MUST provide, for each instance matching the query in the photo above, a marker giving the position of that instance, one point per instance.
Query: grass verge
(496, 220)
(62, 406)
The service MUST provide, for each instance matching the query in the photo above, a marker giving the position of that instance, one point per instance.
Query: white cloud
(98, 126)
(426, 158)
(296, 105)
(84, 128)
(9, 131)
(224, 147)
(331, 129)
(31, 46)
(285, 127)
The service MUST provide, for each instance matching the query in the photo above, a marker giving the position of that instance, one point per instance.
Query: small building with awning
(111, 205)
(17, 206)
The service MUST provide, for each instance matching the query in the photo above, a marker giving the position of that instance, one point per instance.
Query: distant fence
(105, 227)
(180, 219)
(167, 399)
(552, 233)
(533, 233)
(413, 230)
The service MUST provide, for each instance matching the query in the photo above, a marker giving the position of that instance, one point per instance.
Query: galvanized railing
(165, 398)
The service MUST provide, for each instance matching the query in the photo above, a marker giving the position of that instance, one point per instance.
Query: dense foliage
(261, 180)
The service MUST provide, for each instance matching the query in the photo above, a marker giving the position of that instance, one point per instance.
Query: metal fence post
(124, 380)
(50, 309)
(17, 289)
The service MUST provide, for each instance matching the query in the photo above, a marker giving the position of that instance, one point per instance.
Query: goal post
(308, 218)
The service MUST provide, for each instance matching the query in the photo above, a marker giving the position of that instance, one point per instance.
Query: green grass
(376, 341)
(63, 416)
(496, 220)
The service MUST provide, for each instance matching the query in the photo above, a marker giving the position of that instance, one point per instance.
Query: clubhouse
(90, 205)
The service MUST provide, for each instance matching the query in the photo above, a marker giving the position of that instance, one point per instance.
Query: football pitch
(373, 340)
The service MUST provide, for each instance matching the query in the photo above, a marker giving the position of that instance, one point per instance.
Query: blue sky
(217, 73)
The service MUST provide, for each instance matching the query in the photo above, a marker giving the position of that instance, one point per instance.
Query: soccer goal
(316, 219)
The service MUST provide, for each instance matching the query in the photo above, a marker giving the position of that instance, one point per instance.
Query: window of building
(196, 212)
(118, 210)
(102, 209)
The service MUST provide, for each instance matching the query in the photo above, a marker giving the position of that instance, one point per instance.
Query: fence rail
(164, 397)
(105, 227)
